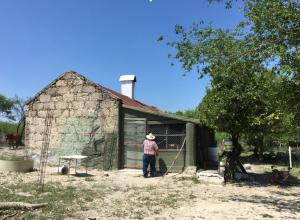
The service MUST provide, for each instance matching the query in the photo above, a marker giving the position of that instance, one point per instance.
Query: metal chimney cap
(127, 78)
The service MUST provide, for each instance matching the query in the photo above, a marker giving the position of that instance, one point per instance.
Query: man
(150, 150)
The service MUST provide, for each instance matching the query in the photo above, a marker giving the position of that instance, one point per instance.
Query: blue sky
(103, 39)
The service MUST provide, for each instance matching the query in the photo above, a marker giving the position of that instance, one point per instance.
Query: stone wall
(85, 121)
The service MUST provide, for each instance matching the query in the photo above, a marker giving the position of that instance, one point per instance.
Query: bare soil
(125, 194)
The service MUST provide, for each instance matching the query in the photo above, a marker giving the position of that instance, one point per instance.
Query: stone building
(109, 127)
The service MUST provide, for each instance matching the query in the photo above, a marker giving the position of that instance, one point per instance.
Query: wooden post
(290, 157)
(190, 157)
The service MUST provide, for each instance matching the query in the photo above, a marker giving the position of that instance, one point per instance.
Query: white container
(16, 165)
(247, 166)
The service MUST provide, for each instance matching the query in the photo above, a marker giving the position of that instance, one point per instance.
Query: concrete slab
(131, 172)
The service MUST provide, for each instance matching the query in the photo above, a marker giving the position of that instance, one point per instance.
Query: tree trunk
(237, 148)
(234, 163)
(255, 150)
(261, 148)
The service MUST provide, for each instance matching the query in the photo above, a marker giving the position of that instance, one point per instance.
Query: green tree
(237, 79)
(246, 104)
(248, 68)
(268, 115)
(5, 106)
(190, 113)
(18, 109)
(274, 32)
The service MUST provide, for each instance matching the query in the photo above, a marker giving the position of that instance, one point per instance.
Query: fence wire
(168, 136)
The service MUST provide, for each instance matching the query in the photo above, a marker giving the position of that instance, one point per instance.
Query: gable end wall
(85, 121)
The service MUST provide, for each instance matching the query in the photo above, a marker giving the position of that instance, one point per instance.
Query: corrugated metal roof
(132, 102)
(164, 114)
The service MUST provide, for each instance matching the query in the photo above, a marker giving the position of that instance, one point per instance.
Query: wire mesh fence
(168, 136)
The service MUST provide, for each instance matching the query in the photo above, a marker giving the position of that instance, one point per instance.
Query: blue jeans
(149, 159)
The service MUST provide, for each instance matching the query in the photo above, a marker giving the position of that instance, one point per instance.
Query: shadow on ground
(279, 158)
(285, 201)
(82, 175)
(262, 180)
(271, 202)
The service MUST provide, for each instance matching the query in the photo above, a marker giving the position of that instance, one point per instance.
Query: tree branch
(20, 205)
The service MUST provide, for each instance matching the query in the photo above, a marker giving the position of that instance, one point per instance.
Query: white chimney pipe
(127, 85)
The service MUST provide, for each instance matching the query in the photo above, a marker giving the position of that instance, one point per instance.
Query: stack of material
(210, 177)
(190, 170)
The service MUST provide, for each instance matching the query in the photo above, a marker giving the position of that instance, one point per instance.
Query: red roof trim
(131, 102)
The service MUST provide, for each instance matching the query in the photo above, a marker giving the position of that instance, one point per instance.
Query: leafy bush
(8, 127)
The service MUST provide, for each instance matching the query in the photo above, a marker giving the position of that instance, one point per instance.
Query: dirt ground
(125, 194)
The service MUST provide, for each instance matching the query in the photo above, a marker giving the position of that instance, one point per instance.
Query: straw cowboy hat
(150, 136)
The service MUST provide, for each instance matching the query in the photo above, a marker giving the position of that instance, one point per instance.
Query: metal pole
(290, 157)
(219, 168)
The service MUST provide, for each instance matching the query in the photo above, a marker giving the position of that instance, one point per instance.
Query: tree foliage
(279, 29)
(254, 69)
(5, 106)
(18, 109)
(190, 113)
(274, 32)
(8, 128)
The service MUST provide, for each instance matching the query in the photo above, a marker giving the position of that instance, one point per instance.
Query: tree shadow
(284, 193)
(262, 180)
(278, 204)
(159, 174)
(82, 175)
(279, 158)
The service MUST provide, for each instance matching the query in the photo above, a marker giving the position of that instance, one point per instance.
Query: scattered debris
(210, 177)
(24, 194)
(279, 177)
(190, 170)
(124, 195)
(247, 166)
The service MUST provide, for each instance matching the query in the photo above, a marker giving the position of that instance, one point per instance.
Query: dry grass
(127, 195)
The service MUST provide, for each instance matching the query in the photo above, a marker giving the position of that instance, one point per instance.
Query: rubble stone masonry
(85, 121)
